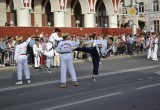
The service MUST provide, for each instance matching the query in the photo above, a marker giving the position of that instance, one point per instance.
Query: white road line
(28, 85)
(129, 70)
(83, 101)
(81, 77)
(145, 87)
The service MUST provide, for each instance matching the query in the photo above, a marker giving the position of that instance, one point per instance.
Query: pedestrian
(20, 58)
(98, 51)
(37, 50)
(65, 48)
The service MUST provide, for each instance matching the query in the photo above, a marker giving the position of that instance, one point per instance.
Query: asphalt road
(123, 84)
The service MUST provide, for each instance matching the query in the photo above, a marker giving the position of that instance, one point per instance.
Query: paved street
(129, 83)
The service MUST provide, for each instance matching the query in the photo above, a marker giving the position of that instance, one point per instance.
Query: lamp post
(49, 24)
(11, 23)
(105, 25)
(77, 23)
(96, 25)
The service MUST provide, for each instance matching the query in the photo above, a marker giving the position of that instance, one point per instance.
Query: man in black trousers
(96, 52)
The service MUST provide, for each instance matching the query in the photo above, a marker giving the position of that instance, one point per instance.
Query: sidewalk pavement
(75, 61)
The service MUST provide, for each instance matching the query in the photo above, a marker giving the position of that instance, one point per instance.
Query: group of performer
(65, 46)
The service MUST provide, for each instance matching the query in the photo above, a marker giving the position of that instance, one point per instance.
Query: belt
(65, 52)
(23, 54)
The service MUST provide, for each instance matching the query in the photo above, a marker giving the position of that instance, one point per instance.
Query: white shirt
(66, 46)
(49, 50)
(37, 50)
(54, 37)
(21, 49)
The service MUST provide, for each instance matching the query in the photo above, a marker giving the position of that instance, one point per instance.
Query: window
(141, 7)
(155, 5)
(156, 25)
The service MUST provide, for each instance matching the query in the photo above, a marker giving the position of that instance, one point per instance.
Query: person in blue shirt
(2, 49)
(31, 55)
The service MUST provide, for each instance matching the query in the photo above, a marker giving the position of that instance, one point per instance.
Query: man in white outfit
(50, 48)
(20, 58)
(149, 42)
(65, 48)
(155, 48)
(37, 50)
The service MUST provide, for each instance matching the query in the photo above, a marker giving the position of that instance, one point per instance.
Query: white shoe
(93, 78)
(48, 70)
(29, 81)
(19, 83)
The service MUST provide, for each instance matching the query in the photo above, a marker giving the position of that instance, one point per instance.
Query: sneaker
(19, 83)
(47, 70)
(93, 78)
(76, 83)
(63, 85)
(28, 81)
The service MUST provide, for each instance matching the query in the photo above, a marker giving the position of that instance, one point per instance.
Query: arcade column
(23, 17)
(59, 19)
(89, 20)
(113, 21)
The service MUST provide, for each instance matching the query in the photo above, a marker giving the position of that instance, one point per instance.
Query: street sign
(132, 11)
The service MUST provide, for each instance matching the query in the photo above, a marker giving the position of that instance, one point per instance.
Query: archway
(101, 17)
(12, 20)
(49, 17)
(78, 18)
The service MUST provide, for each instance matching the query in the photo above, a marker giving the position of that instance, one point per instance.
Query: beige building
(78, 13)
(152, 14)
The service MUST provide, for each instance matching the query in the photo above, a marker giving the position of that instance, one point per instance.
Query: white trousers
(149, 53)
(66, 61)
(22, 63)
(37, 61)
(154, 52)
(49, 61)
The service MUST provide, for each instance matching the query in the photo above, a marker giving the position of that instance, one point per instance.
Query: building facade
(78, 13)
(145, 17)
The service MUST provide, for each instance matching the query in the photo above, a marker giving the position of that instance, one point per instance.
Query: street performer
(97, 51)
(50, 48)
(65, 48)
(20, 58)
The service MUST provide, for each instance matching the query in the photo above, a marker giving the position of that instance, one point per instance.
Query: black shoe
(93, 78)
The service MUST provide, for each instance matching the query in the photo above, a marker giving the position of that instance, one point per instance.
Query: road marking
(83, 101)
(145, 87)
(129, 70)
(158, 72)
(81, 77)
(28, 85)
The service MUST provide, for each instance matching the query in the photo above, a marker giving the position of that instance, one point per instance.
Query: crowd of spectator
(122, 44)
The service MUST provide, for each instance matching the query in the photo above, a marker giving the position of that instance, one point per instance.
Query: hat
(64, 34)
